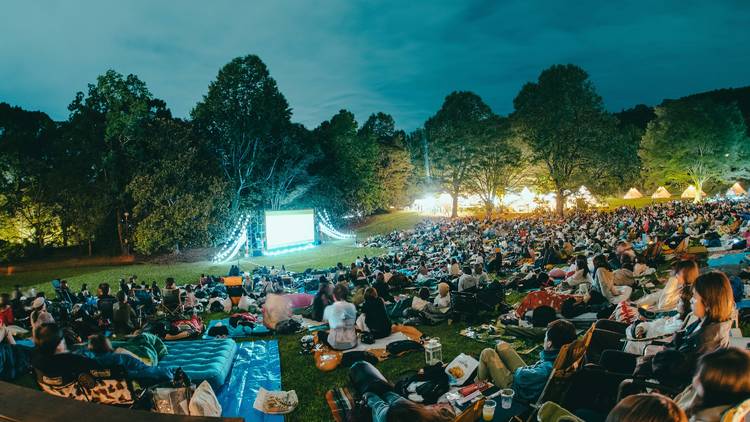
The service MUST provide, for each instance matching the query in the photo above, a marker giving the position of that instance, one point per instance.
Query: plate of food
(461, 368)
(275, 402)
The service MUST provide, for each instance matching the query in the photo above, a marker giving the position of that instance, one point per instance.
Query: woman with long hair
(722, 381)
(684, 273)
(646, 408)
(581, 279)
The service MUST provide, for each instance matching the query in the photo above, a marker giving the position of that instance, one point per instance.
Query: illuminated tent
(633, 194)
(736, 190)
(661, 192)
(690, 193)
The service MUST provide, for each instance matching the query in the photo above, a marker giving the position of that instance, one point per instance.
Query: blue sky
(400, 57)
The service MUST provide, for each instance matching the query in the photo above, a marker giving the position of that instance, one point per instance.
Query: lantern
(433, 351)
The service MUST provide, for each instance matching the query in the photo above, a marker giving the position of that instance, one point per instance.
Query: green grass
(385, 223)
(324, 256)
(637, 203)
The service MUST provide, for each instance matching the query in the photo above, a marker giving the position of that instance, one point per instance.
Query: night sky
(400, 57)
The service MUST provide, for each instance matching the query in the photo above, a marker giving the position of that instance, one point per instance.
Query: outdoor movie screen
(289, 228)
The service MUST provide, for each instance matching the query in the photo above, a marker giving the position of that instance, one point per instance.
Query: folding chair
(171, 303)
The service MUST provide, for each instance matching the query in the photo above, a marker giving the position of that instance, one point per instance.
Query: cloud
(402, 58)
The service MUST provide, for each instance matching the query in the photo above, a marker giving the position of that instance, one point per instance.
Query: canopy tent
(736, 190)
(633, 194)
(661, 192)
(690, 193)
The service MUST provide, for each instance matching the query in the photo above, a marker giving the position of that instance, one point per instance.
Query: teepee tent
(736, 190)
(690, 193)
(633, 194)
(661, 192)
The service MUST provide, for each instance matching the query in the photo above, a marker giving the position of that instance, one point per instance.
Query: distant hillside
(641, 114)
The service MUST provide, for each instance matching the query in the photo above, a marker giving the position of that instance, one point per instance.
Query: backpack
(288, 326)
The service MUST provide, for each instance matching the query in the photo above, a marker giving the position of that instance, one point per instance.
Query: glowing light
(288, 250)
(232, 247)
(327, 228)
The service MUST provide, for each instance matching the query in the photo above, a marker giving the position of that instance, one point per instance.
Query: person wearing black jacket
(376, 319)
(323, 298)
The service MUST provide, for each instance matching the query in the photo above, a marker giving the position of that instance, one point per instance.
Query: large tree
(291, 178)
(179, 197)
(696, 140)
(563, 121)
(501, 165)
(393, 164)
(246, 118)
(455, 133)
(106, 126)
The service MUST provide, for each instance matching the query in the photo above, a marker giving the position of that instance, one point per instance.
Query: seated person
(374, 318)
(480, 275)
(467, 281)
(666, 299)
(442, 302)
(722, 381)
(581, 279)
(123, 315)
(505, 368)
(190, 301)
(646, 408)
(341, 318)
(171, 295)
(604, 282)
(100, 349)
(322, 299)
(623, 276)
(65, 293)
(6, 310)
(52, 358)
(383, 288)
(276, 309)
(105, 301)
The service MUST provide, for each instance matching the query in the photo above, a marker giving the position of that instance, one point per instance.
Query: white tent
(661, 192)
(690, 193)
(633, 194)
(736, 190)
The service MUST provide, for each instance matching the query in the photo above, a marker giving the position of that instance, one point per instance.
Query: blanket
(257, 365)
(239, 331)
(327, 359)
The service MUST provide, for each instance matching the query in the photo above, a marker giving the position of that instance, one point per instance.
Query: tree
(500, 166)
(563, 121)
(246, 118)
(109, 122)
(291, 178)
(696, 140)
(348, 179)
(179, 198)
(393, 163)
(455, 135)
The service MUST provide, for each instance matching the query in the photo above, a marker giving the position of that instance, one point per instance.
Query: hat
(38, 303)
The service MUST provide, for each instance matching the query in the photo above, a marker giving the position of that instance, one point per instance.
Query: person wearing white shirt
(666, 299)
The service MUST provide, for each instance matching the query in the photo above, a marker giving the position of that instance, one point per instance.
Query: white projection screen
(289, 228)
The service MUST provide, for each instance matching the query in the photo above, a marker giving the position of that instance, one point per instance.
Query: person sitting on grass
(646, 408)
(323, 298)
(341, 317)
(123, 315)
(505, 368)
(374, 318)
(53, 359)
(467, 282)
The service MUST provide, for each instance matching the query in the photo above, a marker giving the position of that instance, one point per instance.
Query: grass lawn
(325, 255)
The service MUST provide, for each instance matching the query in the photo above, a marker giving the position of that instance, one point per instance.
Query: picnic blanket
(720, 260)
(257, 365)
(327, 359)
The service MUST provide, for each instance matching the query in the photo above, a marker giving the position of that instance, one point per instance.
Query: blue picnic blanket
(257, 365)
(239, 331)
(728, 259)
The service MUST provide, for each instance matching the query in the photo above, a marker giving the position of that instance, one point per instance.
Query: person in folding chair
(505, 368)
(171, 302)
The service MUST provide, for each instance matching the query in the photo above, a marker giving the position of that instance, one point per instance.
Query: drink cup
(488, 411)
(506, 397)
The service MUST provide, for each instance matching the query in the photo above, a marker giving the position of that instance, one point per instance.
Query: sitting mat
(257, 365)
(239, 331)
(202, 360)
(727, 259)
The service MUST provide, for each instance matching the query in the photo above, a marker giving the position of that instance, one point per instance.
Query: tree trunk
(560, 203)
(698, 192)
(454, 207)
(118, 218)
(90, 247)
(488, 208)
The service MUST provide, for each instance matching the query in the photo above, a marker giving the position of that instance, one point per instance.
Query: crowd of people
(674, 339)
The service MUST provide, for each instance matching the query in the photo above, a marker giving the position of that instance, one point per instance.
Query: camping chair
(62, 295)
(171, 303)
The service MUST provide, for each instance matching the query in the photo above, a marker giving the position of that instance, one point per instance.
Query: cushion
(202, 360)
